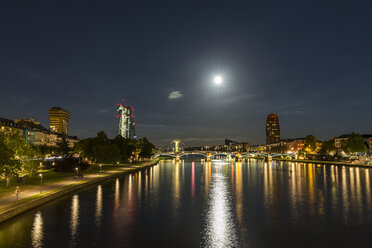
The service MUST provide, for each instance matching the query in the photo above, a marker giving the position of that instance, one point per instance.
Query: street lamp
(77, 172)
(100, 168)
(41, 183)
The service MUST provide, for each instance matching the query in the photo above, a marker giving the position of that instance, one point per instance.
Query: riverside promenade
(30, 198)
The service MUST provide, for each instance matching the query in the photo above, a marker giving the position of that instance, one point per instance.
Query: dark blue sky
(308, 61)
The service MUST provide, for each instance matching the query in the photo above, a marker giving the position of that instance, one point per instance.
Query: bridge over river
(175, 149)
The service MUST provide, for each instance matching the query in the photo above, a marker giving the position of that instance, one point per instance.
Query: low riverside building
(236, 146)
(288, 145)
(367, 141)
(258, 148)
(339, 140)
(6, 123)
(35, 133)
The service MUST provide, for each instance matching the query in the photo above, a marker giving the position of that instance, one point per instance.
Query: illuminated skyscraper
(272, 129)
(126, 121)
(58, 120)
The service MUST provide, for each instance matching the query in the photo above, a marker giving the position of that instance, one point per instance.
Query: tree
(147, 149)
(29, 161)
(126, 147)
(10, 153)
(322, 154)
(329, 146)
(354, 144)
(62, 146)
(101, 149)
(106, 153)
(310, 144)
(44, 150)
(85, 148)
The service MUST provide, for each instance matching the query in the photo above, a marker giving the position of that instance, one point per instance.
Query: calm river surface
(218, 204)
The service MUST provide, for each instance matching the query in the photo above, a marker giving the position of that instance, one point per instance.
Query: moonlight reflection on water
(220, 227)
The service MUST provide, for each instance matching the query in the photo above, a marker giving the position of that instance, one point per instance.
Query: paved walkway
(8, 200)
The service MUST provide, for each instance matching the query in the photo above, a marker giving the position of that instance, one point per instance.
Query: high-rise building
(58, 120)
(272, 129)
(126, 121)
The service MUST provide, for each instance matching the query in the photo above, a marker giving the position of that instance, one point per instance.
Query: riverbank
(36, 198)
(322, 162)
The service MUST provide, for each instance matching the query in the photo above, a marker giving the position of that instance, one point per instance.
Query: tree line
(101, 149)
(16, 156)
(19, 158)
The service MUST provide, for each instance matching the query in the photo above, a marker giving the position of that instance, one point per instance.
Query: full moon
(217, 80)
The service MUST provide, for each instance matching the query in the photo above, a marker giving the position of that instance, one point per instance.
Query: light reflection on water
(74, 222)
(117, 195)
(221, 204)
(37, 233)
(220, 228)
(192, 181)
(99, 203)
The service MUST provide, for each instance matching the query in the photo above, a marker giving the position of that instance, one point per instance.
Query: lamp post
(41, 183)
(77, 172)
(100, 168)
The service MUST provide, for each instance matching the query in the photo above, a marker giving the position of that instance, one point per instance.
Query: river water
(198, 204)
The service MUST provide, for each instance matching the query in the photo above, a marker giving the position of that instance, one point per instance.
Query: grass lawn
(51, 177)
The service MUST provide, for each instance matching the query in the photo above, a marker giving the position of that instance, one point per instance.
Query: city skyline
(307, 62)
(186, 123)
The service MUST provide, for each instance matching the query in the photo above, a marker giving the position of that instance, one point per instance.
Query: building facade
(34, 133)
(272, 129)
(126, 125)
(291, 146)
(58, 120)
(367, 141)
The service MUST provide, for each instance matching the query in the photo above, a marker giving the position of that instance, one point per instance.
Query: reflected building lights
(368, 188)
(207, 177)
(117, 194)
(74, 222)
(352, 185)
(193, 181)
(345, 194)
(176, 188)
(139, 184)
(98, 214)
(293, 190)
(334, 186)
(310, 176)
(239, 192)
(130, 192)
(37, 233)
(358, 189)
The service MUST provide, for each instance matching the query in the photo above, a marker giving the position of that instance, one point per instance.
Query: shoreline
(39, 199)
(322, 162)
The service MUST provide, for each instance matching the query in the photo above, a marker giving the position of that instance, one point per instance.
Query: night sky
(308, 61)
